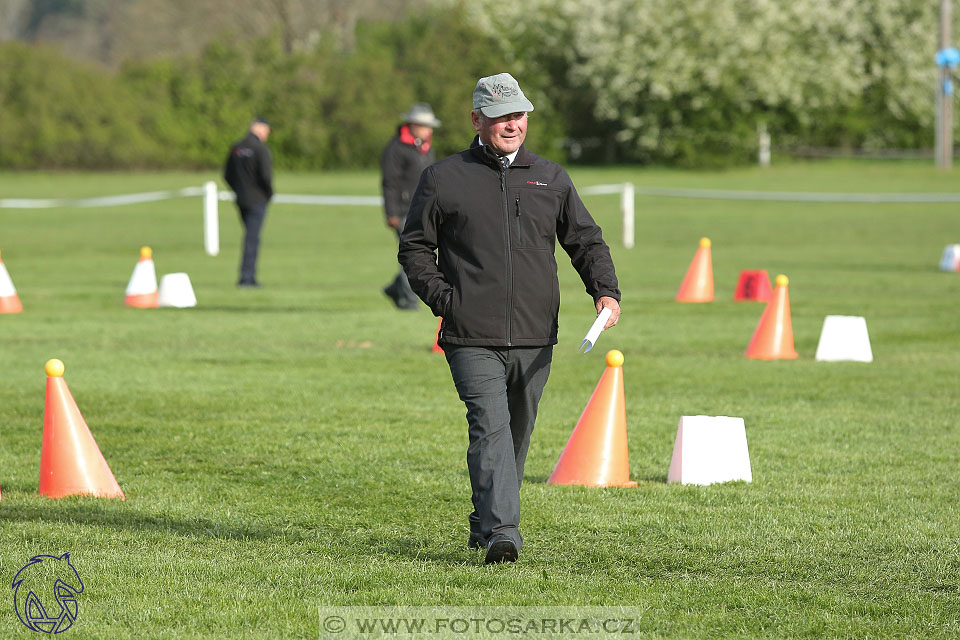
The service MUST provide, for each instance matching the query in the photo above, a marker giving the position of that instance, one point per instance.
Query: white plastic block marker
(710, 449)
(844, 338)
(950, 261)
(176, 291)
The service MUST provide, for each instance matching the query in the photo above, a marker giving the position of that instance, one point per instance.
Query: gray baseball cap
(499, 95)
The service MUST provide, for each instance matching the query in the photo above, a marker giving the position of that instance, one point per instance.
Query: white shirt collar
(510, 156)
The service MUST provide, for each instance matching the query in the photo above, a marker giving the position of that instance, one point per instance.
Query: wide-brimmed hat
(421, 113)
(499, 95)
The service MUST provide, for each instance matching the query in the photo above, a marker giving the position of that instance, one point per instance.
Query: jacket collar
(407, 138)
(524, 158)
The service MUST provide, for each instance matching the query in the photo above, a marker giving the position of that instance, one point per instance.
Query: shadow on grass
(534, 478)
(421, 550)
(82, 511)
(254, 309)
(654, 478)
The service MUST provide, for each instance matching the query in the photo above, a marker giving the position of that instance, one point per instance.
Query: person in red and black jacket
(403, 160)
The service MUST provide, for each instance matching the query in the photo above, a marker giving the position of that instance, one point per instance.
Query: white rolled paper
(591, 338)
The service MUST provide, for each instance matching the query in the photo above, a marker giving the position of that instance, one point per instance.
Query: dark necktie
(504, 161)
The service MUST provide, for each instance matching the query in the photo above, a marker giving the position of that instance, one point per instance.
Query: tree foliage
(60, 114)
(649, 81)
(684, 82)
(331, 108)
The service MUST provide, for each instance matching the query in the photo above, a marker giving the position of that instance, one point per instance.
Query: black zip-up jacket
(401, 164)
(493, 278)
(249, 171)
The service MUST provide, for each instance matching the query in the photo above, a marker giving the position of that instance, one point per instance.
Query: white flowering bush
(689, 80)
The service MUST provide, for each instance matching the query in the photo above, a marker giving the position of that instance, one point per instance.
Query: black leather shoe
(501, 550)
(476, 541)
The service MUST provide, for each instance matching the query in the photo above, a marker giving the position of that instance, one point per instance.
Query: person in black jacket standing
(478, 248)
(249, 172)
(403, 160)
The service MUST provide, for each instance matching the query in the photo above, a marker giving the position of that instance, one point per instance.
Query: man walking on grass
(478, 249)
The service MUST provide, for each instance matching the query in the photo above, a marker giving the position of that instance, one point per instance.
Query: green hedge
(336, 109)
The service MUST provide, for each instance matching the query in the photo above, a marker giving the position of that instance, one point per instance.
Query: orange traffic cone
(436, 341)
(596, 454)
(773, 339)
(9, 301)
(697, 285)
(142, 289)
(754, 285)
(70, 461)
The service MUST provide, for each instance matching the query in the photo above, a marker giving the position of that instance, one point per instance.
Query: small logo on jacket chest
(537, 182)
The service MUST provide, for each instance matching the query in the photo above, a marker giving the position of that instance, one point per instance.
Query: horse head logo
(45, 593)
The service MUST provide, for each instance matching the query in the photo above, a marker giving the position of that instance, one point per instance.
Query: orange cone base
(786, 355)
(65, 491)
(694, 298)
(629, 484)
(70, 461)
(143, 301)
(10, 304)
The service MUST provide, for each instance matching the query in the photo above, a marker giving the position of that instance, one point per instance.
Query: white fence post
(211, 219)
(626, 205)
(763, 145)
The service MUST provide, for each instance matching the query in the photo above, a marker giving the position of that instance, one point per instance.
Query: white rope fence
(781, 196)
(627, 191)
(211, 198)
(105, 201)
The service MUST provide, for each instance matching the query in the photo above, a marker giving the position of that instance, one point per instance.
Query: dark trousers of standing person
(399, 290)
(252, 217)
(501, 388)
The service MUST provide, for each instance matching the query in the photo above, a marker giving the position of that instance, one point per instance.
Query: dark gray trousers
(400, 283)
(252, 217)
(501, 388)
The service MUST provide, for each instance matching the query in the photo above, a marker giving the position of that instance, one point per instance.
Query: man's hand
(613, 305)
(393, 222)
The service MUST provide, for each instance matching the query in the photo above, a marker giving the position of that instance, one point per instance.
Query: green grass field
(300, 445)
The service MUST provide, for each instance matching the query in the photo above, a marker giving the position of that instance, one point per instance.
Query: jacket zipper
(509, 247)
(519, 225)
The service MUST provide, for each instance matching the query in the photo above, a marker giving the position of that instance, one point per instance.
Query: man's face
(421, 131)
(504, 134)
(261, 130)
